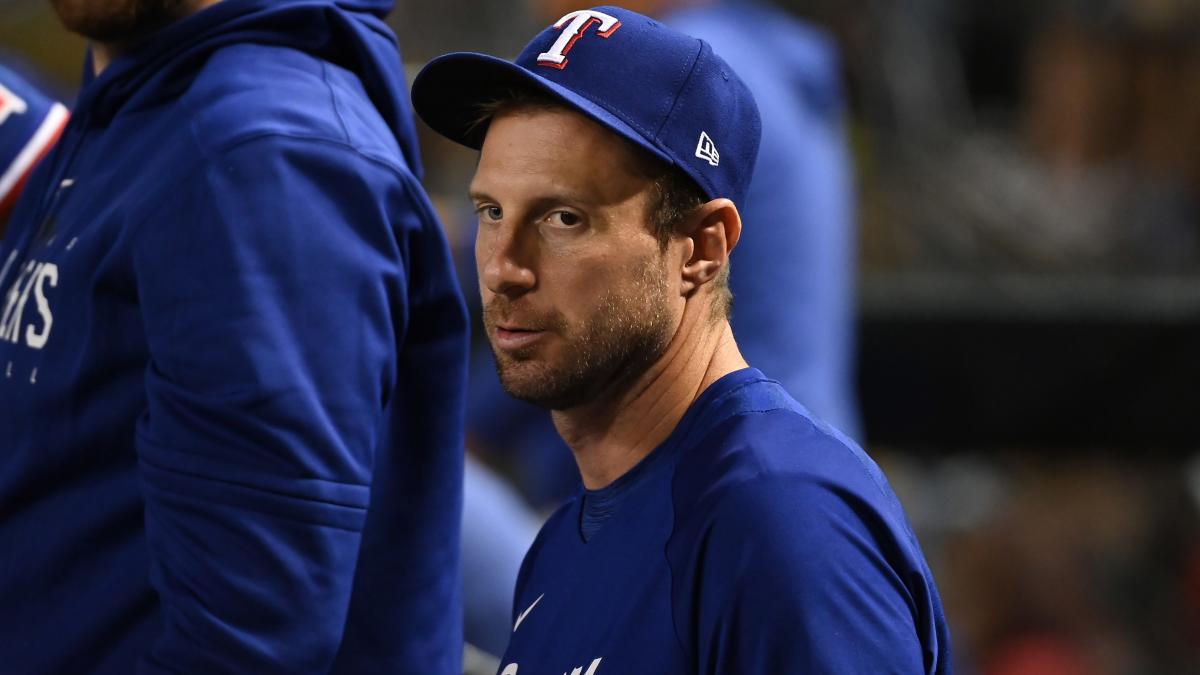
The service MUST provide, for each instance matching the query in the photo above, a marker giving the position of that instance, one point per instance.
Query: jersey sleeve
(796, 576)
(272, 291)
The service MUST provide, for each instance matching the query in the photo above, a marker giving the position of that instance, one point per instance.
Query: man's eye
(491, 212)
(565, 219)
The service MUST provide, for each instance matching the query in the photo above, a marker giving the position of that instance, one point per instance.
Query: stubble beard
(118, 21)
(627, 334)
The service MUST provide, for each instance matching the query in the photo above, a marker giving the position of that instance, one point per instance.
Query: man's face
(577, 293)
(119, 21)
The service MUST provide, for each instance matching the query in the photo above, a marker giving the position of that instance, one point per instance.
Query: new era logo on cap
(665, 91)
(707, 150)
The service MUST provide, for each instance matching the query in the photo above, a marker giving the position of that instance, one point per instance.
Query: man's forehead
(539, 123)
(563, 135)
(555, 146)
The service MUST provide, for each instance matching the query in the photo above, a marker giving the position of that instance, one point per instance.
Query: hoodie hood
(349, 33)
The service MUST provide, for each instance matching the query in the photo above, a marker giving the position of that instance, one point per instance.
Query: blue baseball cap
(665, 91)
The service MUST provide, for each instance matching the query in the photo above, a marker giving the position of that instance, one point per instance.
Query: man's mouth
(511, 337)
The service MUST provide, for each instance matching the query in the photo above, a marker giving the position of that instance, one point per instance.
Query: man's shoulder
(782, 521)
(780, 490)
(779, 458)
(792, 536)
(286, 94)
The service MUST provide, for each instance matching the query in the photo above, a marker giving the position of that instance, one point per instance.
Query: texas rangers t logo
(10, 104)
(576, 23)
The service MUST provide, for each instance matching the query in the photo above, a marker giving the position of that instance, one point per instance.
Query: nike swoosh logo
(522, 615)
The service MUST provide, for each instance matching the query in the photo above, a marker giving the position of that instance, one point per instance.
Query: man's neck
(611, 435)
(104, 53)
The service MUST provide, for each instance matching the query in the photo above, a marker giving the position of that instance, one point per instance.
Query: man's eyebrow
(551, 197)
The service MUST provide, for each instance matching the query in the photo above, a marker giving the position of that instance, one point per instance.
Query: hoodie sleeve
(273, 294)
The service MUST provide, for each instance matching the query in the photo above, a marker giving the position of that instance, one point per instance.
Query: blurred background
(1020, 292)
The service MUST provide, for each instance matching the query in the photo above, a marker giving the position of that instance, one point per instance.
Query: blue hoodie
(232, 356)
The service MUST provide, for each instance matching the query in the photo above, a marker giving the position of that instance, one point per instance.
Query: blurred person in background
(497, 529)
(234, 356)
(1112, 114)
(30, 124)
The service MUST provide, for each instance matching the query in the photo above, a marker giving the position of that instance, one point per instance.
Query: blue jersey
(232, 356)
(752, 541)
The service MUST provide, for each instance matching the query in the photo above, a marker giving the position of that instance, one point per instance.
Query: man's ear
(713, 229)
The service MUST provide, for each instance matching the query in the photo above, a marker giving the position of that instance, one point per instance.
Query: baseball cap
(665, 91)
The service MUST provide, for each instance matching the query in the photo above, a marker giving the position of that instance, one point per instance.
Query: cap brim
(449, 91)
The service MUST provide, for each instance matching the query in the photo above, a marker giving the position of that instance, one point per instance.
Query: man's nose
(505, 258)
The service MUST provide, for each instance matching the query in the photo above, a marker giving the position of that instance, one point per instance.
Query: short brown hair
(676, 193)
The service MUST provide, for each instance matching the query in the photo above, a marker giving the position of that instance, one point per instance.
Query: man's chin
(118, 21)
(537, 383)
